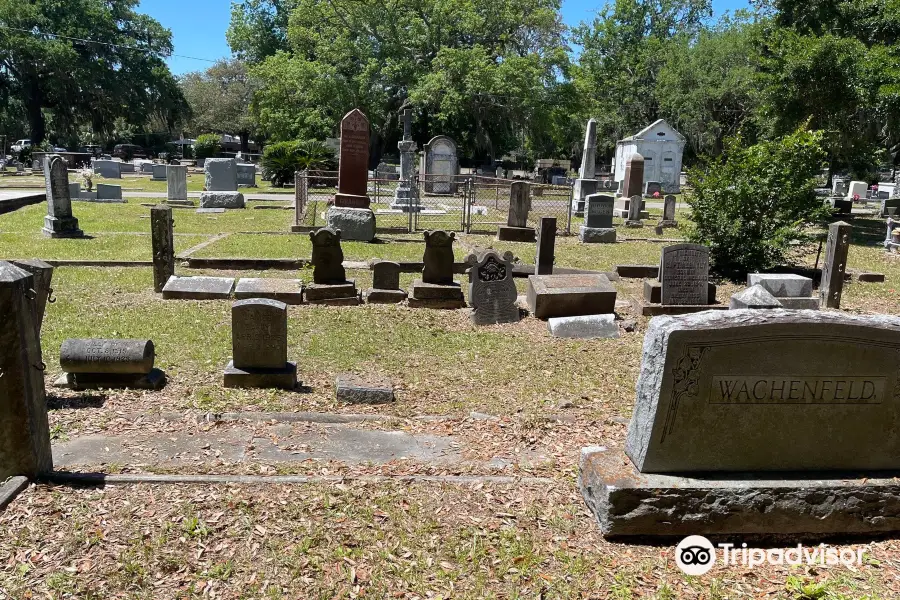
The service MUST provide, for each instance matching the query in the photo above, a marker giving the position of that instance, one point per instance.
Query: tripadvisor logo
(696, 555)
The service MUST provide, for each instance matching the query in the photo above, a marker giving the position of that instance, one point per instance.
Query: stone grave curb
(91, 479)
(12, 488)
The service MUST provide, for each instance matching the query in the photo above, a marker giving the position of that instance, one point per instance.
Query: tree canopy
(220, 99)
(84, 64)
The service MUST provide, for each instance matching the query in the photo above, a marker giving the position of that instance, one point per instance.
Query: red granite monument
(354, 167)
(634, 176)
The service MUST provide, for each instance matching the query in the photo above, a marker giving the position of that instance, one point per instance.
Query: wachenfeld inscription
(751, 389)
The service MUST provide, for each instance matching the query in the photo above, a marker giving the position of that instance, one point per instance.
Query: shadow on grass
(83, 401)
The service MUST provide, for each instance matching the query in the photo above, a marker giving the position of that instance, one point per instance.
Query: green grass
(132, 183)
(101, 246)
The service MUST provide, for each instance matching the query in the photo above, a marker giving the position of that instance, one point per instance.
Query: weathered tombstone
(259, 346)
(492, 291)
(546, 247)
(74, 190)
(684, 275)
(651, 188)
(351, 213)
(221, 184)
(516, 228)
(570, 295)
(598, 224)
(794, 292)
(91, 364)
(43, 276)
(59, 222)
(836, 251)
(584, 327)
(246, 175)
(437, 289)
(634, 213)
(176, 184)
(160, 172)
(330, 284)
(586, 184)
(739, 395)
(406, 196)
(24, 427)
(668, 219)
(385, 284)
(109, 193)
(857, 189)
(634, 177)
(839, 187)
(440, 166)
(163, 241)
(110, 169)
(754, 297)
(289, 291)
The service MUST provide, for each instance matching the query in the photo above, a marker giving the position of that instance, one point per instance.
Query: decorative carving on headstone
(492, 291)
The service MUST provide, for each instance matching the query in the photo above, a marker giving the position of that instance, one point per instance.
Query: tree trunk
(36, 115)
(245, 142)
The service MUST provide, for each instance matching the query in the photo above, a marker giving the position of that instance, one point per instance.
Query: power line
(75, 39)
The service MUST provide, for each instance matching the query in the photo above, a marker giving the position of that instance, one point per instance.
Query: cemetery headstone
(546, 247)
(246, 175)
(406, 196)
(492, 290)
(74, 190)
(43, 276)
(598, 225)
(351, 213)
(586, 184)
(160, 172)
(440, 166)
(634, 177)
(668, 219)
(259, 346)
(109, 193)
(289, 291)
(91, 364)
(330, 284)
(110, 169)
(634, 213)
(735, 394)
(59, 222)
(755, 297)
(198, 288)
(24, 427)
(221, 184)
(516, 228)
(857, 188)
(176, 180)
(385, 284)
(437, 289)
(651, 188)
(684, 274)
(570, 295)
(163, 242)
(836, 251)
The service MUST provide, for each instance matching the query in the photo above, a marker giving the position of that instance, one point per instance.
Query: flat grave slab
(289, 291)
(359, 389)
(258, 377)
(338, 294)
(198, 288)
(570, 295)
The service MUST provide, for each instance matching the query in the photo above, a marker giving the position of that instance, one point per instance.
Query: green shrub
(207, 145)
(24, 155)
(281, 160)
(755, 204)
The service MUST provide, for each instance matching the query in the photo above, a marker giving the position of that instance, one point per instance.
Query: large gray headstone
(599, 212)
(176, 178)
(778, 390)
(836, 251)
(160, 171)
(24, 427)
(441, 165)
(519, 204)
(259, 333)
(59, 222)
(684, 274)
(110, 169)
(246, 175)
(221, 174)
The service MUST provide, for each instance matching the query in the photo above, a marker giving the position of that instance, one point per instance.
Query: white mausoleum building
(662, 148)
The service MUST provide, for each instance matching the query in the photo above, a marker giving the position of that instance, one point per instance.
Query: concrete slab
(198, 288)
(289, 291)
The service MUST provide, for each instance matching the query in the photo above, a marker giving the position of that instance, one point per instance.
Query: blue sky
(199, 26)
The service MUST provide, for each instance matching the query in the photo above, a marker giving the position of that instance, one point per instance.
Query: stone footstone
(433, 295)
(871, 278)
(284, 378)
(596, 235)
(800, 303)
(585, 327)
(198, 288)
(570, 295)
(337, 294)
(289, 291)
(357, 224)
(154, 380)
(210, 211)
(222, 200)
(756, 297)
(782, 285)
(357, 389)
(628, 503)
(506, 233)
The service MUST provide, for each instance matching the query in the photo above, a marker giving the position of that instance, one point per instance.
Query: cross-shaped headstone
(407, 125)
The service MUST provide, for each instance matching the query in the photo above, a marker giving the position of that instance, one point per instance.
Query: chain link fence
(466, 203)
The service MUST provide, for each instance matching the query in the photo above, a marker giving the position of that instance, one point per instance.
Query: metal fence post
(569, 213)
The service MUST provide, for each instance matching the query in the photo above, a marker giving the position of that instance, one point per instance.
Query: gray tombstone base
(667, 224)
(154, 380)
(597, 235)
(628, 503)
(634, 224)
(337, 294)
(649, 305)
(432, 295)
(289, 291)
(505, 233)
(800, 303)
(755, 297)
(56, 227)
(284, 378)
(570, 295)
(198, 288)
(354, 389)
(376, 296)
(586, 327)
(221, 200)
(356, 224)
